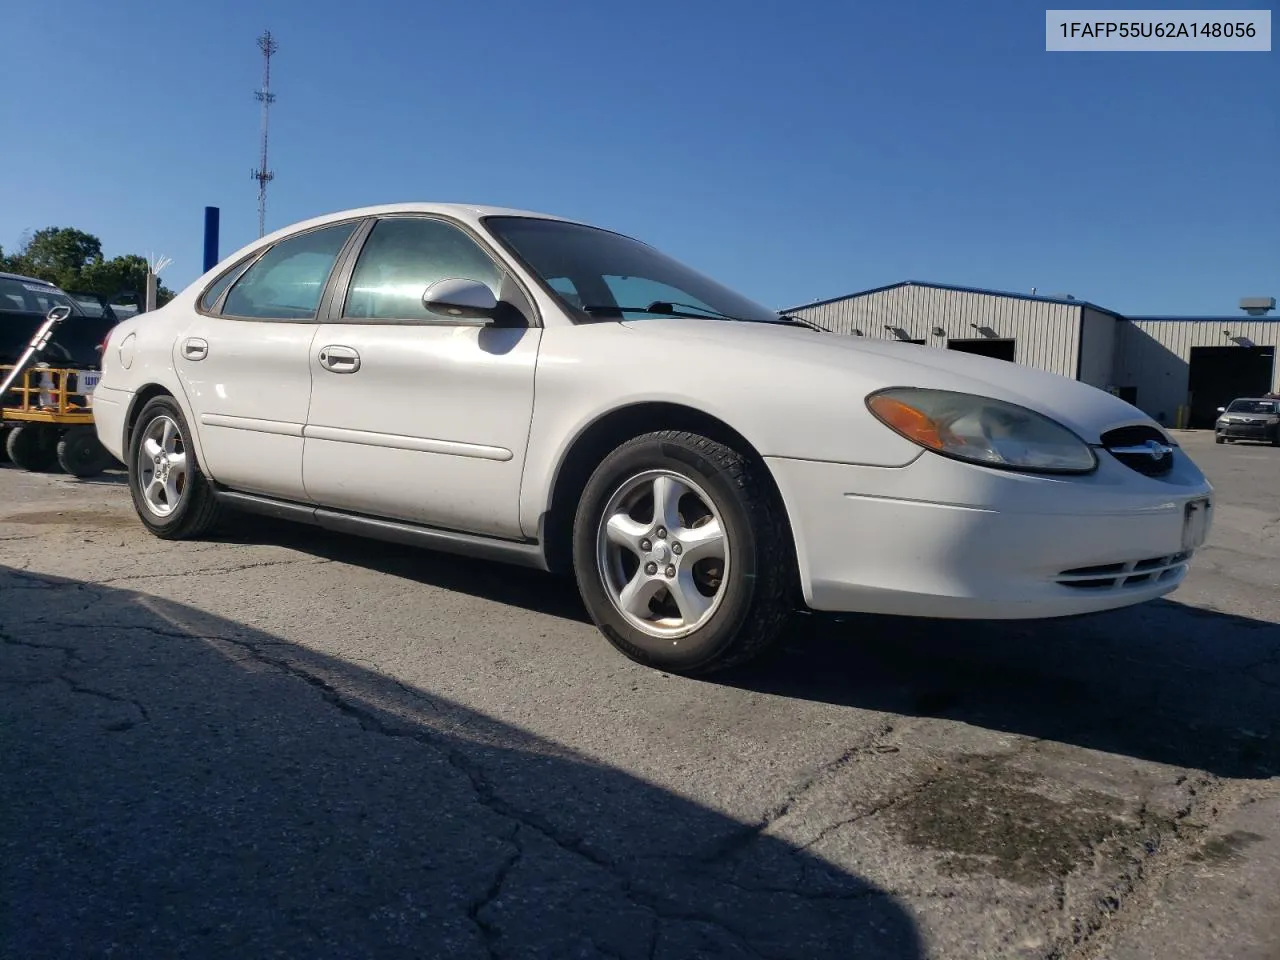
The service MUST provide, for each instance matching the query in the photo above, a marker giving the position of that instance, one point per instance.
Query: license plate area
(1195, 523)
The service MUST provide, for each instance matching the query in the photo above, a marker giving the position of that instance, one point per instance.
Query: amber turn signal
(907, 420)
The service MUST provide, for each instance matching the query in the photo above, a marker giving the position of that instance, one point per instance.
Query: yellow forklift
(46, 413)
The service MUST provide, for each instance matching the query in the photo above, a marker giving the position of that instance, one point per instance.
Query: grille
(1134, 573)
(1120, 443)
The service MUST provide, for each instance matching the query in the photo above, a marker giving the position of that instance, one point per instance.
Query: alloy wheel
(162, 466)
(663, 553)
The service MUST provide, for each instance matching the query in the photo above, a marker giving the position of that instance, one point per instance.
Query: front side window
(402, 258)
(286, 283)
(612, 276)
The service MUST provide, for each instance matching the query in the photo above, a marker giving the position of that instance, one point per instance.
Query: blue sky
(796, 151)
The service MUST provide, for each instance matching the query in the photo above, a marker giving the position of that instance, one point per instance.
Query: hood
(873, 364)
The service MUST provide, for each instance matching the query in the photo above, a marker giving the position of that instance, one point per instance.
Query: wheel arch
(603, 434)
(144, 395)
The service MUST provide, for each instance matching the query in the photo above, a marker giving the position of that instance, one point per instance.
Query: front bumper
(1246, 431)
(940, 538)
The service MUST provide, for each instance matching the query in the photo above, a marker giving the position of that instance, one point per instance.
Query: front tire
(171, 495)
(682, 553)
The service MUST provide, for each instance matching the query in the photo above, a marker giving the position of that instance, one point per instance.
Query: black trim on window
(574, 314)
(334, 300)
(257, 255)
(240, 265)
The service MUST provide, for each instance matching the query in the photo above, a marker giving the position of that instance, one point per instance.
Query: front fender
(589, 372)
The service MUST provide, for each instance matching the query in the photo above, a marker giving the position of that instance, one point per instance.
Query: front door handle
(339, 359)
(193, 348)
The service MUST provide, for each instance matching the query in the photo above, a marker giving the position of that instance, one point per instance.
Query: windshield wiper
(800, 322)
(669, 308)
(662, 308)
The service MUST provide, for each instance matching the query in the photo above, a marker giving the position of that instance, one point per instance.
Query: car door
(414, 415)
(244, 362)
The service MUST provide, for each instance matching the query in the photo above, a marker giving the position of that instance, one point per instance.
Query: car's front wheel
(172, 496)
(682, 553)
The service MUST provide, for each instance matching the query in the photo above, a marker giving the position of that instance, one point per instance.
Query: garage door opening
(1000, 349)
(1218, 375)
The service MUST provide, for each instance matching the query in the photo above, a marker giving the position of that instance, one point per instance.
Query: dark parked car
(1249, 418)
(24, 303)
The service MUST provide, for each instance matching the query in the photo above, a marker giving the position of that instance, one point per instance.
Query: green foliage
(73, 260)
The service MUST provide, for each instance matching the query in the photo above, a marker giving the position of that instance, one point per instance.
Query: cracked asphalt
(283, 743)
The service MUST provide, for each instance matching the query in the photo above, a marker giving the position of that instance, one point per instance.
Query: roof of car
(461, 210)
(24, 279)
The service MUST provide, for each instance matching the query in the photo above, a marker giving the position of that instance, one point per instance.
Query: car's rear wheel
(1220, 439)
(171, 495)
(82, 454)
(682, 553)
(32, 446)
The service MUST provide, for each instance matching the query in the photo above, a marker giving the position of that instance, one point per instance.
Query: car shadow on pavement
(174, 783)
(500, 582)
(1163, 681)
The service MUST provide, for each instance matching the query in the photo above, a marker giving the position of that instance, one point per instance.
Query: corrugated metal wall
(1097, 348)
(1153, 356)
(1047, 334)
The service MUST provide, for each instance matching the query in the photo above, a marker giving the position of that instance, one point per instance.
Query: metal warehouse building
(1176, 369)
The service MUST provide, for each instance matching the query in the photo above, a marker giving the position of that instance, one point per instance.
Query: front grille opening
(1090, 571)
(1130, 436)
(1136, 436)
(1134, 573)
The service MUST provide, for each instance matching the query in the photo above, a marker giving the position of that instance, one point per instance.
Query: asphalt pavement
(284, 743)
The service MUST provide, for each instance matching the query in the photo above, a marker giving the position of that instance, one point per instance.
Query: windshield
(22, 296)
(1252, 406)
(591, 268)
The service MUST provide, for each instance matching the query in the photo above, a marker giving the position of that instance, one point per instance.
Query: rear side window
(286, 283)
(214, 292)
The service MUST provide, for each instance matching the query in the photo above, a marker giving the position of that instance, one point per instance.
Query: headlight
(981, 430)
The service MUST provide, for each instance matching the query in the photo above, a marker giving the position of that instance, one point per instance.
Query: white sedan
(530, 389)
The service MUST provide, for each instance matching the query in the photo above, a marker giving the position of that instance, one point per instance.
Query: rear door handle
(339, 359)
(195, 349)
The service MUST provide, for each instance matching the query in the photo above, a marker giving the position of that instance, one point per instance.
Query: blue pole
(210, 238)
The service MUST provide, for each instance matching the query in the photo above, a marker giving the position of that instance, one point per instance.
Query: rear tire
(82, 454)
(171, 495)
(1219, 439)
(32, 447)
(704, 583)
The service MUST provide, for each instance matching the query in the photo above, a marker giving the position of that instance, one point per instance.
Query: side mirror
(1222, 409)
(461, 299)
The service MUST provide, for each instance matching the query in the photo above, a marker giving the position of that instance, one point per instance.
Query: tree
(73, 260)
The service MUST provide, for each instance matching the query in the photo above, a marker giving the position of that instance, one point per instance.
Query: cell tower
(268, 46)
